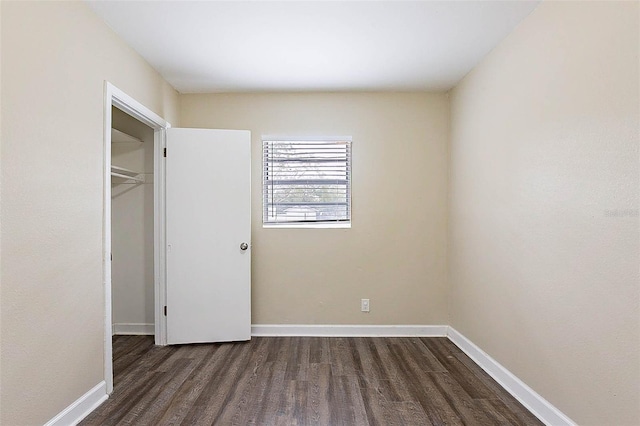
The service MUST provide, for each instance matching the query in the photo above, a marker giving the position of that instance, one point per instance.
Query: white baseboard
(78, 410)
(535, 403)
(133, 329)
(312, 330)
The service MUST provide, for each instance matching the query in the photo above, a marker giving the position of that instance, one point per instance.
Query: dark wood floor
(303, 381)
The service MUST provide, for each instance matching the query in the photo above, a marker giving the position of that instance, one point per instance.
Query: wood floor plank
(390, 390)
(211, 403)
(345, 400)
(475, 386)
(465, 407)
(318, 397)
(380, 412)
(243, 399)
(369, 363)
(343, 363)
(267, 409)
(298, 359)
(422, 387)
(190, 389)
(319, 351)
(293, 404)
(411, 413)
(303, 381)
(152, 404)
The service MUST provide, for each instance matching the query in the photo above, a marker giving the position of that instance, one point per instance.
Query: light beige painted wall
(132, 226)
(544, 208)
(55, 58)
(395, 252)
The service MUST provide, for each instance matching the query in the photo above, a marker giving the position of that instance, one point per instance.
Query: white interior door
(208, 205)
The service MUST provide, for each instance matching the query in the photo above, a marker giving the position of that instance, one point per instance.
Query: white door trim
(116, 97)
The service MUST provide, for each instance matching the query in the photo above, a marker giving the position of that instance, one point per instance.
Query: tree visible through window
(306, 181)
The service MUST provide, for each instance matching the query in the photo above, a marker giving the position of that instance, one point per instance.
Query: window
(306, 182)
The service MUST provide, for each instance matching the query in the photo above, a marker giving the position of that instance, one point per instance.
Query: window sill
(308, 225)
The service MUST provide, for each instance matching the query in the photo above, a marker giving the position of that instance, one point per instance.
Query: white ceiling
(229, 46)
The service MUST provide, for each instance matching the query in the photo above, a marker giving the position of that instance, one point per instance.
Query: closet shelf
(123, 173)
(120, 137)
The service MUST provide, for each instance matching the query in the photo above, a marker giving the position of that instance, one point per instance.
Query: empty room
(319, 213)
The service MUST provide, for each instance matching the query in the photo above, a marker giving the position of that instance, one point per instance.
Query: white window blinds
(306, 181)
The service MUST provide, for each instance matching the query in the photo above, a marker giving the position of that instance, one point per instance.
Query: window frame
(346, 224)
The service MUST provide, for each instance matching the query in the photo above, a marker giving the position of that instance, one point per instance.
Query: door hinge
(165, 152)
(165, 311)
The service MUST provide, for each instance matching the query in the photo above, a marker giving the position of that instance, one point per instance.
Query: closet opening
(133, 231)
(132, 203)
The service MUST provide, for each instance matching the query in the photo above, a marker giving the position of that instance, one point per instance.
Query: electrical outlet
(364, 305)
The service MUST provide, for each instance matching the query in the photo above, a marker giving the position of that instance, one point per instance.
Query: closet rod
(123, 171)
(120, 175)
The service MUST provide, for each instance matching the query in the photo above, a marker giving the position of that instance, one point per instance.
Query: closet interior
(132, 232)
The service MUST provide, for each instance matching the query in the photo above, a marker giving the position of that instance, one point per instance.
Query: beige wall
(395, 252)
(55, 58)
(544, 208)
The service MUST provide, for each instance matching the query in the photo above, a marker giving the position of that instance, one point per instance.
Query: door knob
(244, 246)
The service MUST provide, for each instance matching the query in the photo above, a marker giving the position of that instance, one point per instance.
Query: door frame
(116, 97)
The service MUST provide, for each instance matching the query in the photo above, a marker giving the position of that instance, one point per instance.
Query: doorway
(132, 115)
